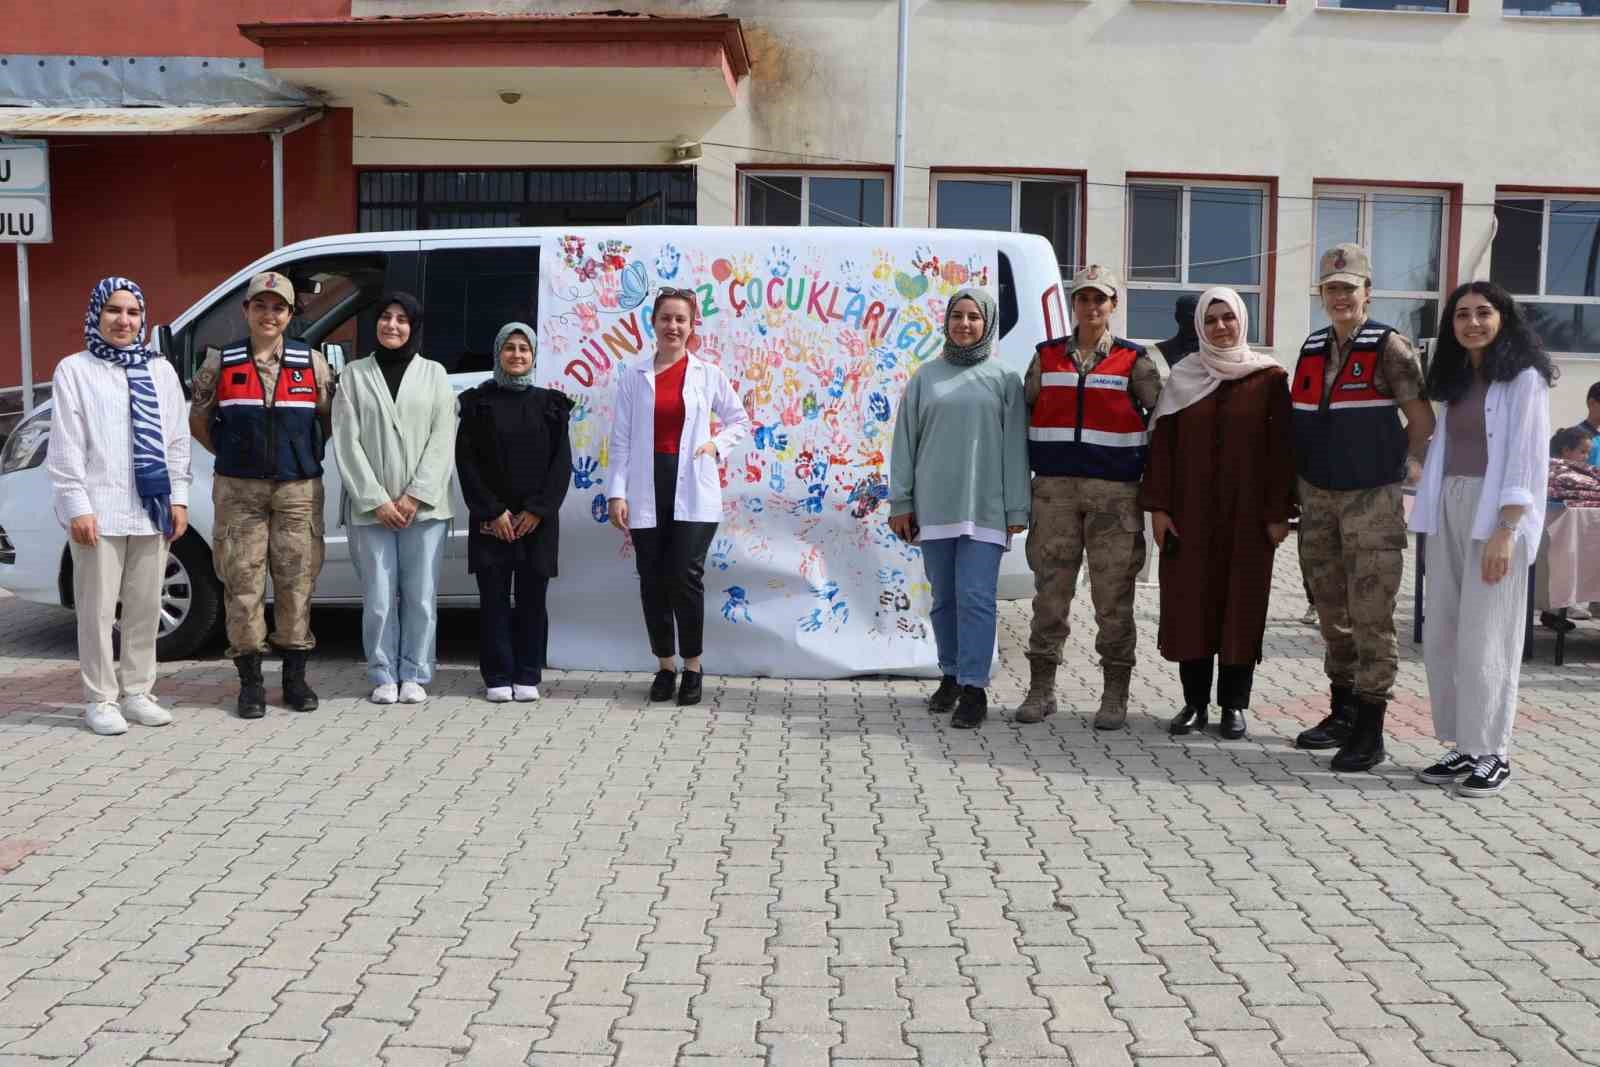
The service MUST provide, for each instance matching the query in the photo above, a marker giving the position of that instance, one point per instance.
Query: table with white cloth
(1569, 564)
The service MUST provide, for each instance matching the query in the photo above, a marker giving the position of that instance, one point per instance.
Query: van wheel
(191, 601)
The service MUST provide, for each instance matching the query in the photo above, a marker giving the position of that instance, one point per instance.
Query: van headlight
(27, 445)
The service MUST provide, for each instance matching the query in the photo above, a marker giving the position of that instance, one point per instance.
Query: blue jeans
(964, 574)
(399, 572)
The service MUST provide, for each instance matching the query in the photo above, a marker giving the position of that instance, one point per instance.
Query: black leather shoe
(943, 700)
(1335, 729)
(661, 689)
(1232, 725)
(1190, 720)
(972, 709)
(252, 702)
(689, 689)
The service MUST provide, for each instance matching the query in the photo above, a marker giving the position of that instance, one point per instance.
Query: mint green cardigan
(387, 447)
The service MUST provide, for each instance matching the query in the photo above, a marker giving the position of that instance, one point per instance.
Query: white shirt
(90, 456)
(1516, 420)
(706, 391)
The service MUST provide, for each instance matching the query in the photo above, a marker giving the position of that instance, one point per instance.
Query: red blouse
(669, 406)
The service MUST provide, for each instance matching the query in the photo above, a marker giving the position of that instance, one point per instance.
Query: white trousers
(129, 570)
(1472, 632)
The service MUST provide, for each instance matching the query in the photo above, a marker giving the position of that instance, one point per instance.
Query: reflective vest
(1087, 425)
(1349, 437)
(282, 442)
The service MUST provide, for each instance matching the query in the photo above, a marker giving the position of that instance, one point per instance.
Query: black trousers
(1233, 682)
(512, 638)
(672, 571)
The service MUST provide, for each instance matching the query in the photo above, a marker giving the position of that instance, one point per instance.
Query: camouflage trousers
(1074, 518)
(262, 526)
(1352, 546)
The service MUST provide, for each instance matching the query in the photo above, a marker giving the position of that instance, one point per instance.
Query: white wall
(1112, 86)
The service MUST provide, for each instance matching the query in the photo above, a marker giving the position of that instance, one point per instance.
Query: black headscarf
(413, 308)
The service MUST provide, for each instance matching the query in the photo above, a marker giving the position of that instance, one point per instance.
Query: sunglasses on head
(665, 290)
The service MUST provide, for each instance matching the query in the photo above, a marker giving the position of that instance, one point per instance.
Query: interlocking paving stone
(794, 873)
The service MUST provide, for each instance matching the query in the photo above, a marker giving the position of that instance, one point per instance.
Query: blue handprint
(769, 437)
(878, 404)
(777, 480)
(736, 604)
(597, 509)
(813, 622)
(580, 409)
(836, 386)
(721, 553)
(887, 357)
(583, 471)
(812, 504)
(826, 591)
(839, 614)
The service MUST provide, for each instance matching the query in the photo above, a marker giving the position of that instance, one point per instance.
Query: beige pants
(130, 570)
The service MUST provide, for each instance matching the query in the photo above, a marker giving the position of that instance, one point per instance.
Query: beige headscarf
(1198, 376)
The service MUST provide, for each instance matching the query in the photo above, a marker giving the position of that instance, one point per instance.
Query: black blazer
(513, 454)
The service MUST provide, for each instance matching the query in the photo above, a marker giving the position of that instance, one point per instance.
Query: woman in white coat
(1481, 503)
(665, 489)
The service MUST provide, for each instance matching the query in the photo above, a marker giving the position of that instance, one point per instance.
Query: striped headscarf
(150, 476)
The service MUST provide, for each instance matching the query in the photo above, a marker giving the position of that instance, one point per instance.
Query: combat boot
(252, 703)
(1364, 749)
(1040, 703)
(1334, 730)
(1113, 713)
(296, 693)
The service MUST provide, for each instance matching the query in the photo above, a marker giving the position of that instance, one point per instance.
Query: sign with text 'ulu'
(24, 192)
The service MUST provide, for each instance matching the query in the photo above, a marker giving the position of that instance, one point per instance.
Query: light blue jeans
(964, 574)
(399, 572)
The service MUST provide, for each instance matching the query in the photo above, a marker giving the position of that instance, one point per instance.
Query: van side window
(1008, 296)
(335, 300)
(468, 294)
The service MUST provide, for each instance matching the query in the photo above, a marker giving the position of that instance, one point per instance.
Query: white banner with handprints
(804, 578)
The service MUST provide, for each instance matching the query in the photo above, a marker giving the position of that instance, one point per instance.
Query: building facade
(1183, 142)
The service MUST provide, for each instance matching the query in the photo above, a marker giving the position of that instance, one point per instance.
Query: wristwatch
(1507, 524)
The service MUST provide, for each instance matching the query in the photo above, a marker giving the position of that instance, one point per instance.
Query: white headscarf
(1198, 376)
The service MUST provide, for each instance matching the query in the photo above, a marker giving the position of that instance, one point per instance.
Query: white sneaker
(526, 693)
(498, 694)
(1581, 614)
(1310, 617)
(387, 693)
(103, 717)
(412, 693)
(143, 709)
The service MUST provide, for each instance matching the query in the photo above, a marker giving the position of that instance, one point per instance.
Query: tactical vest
(282, 442)
(1352, 437)
(1087, 425)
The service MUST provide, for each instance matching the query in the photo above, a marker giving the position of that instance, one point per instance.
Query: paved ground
(794, 873)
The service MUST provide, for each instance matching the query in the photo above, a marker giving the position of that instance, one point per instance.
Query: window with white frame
(1404, 233)
(1043, 205)
(1547, 254)
(1185, 238)
(1424, 7)
(1576, 9)
(813, 198)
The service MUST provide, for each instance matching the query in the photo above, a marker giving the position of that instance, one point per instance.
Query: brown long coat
(1222, 468)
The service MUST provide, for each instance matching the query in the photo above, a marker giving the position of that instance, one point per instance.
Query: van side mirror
(334, 354)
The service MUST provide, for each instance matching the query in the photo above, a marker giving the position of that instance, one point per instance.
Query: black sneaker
(1452, 767)
(1488, 777)
(944, 698)
(972, 710)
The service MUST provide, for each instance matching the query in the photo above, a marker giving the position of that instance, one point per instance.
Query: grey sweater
(960, 455)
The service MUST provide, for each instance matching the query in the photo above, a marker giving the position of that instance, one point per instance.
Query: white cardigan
(1516, 417)
(706, 391)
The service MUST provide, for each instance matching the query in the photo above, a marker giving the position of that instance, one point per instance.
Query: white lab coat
(706, 392)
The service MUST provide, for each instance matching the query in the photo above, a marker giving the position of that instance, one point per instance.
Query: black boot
(666, 681)
(972, 709)
(1364, 750)
(1335, 729)
(296, 693)
(252, 703)
(1189, 719)
(689, 688)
